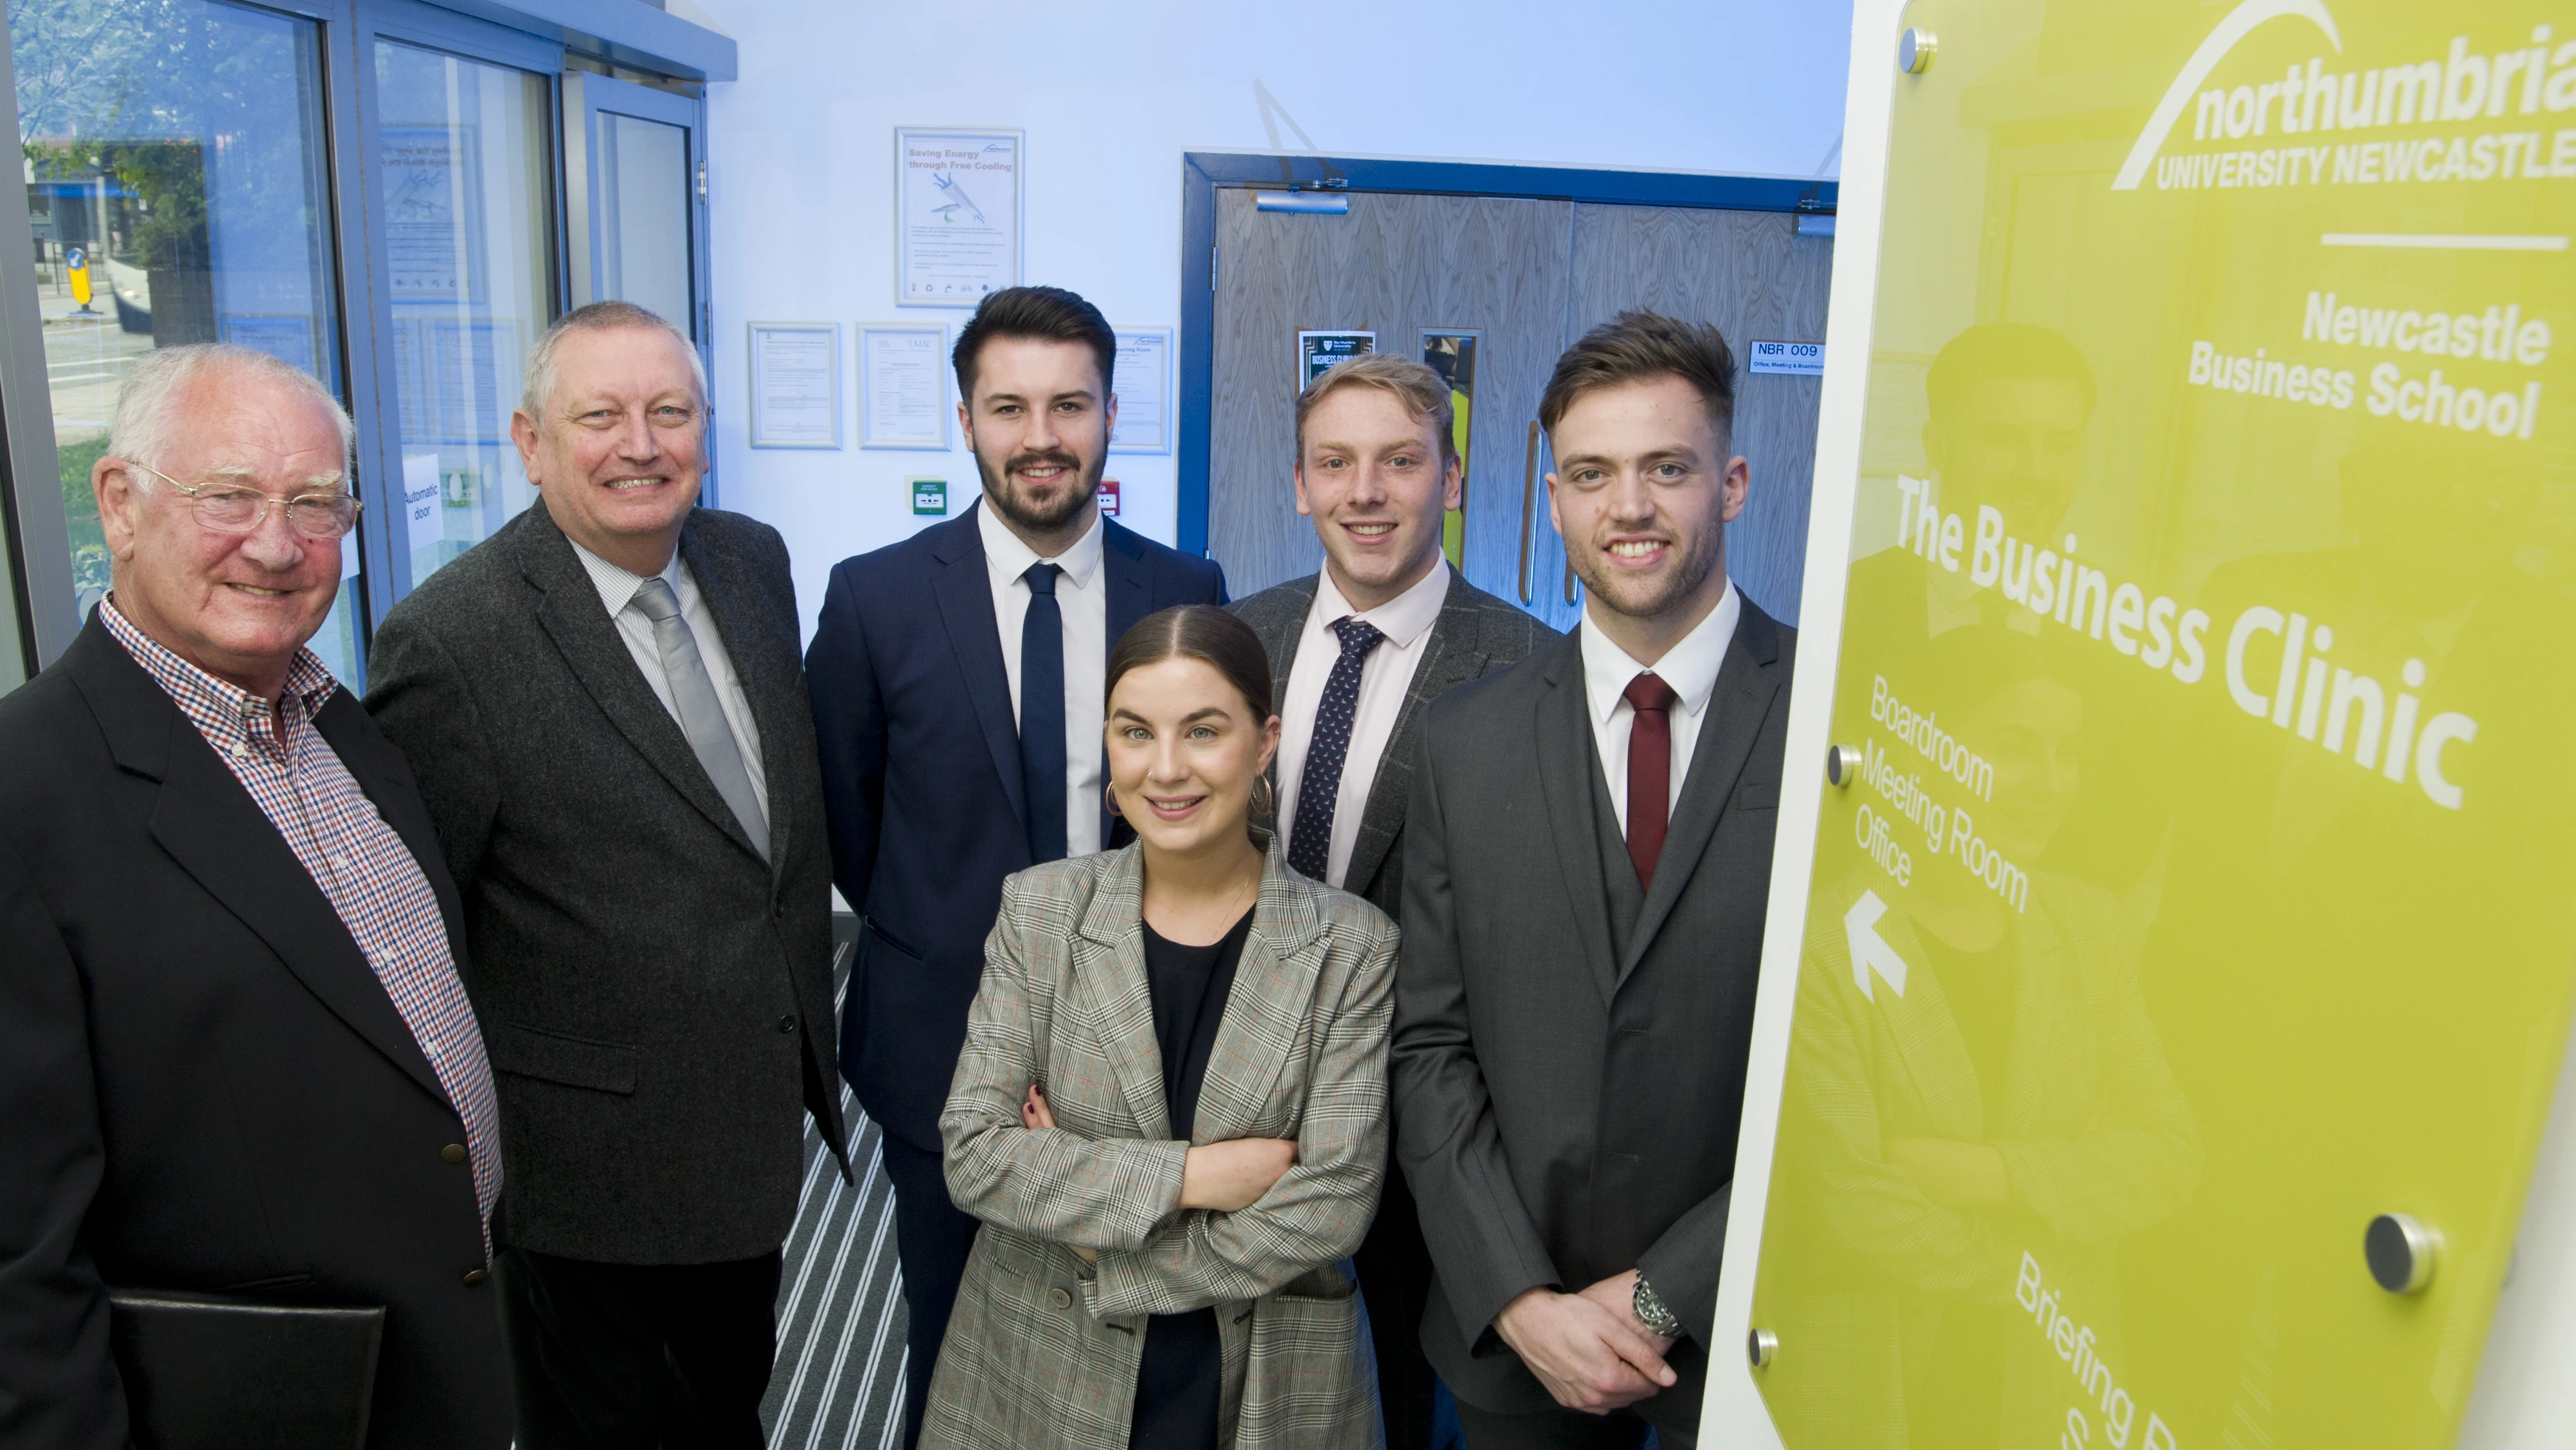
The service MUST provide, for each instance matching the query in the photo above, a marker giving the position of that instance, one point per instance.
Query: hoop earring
(1109, 796)
(1265, 798)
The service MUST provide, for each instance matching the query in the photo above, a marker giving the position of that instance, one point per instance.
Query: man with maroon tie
(1587, 856)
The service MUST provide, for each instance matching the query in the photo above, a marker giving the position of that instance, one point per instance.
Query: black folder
(203, 1372)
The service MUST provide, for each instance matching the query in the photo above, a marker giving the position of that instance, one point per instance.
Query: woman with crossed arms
(1171, 1109)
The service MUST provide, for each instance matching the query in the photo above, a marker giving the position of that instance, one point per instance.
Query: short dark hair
(1202, 632)
(1635, 346)
(2010, 350)
(1049, 313)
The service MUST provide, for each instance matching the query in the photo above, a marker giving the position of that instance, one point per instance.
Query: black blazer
(921, 765)
(1570, 1050)
(653, 994)
(203, 1086)
(1475, 635)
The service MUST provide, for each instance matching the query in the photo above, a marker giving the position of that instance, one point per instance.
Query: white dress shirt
(1690, 667)
(1082, 597)
(617, 587)
(1385, 676)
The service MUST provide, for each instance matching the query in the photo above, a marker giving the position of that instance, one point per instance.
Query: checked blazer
(1043, 1348)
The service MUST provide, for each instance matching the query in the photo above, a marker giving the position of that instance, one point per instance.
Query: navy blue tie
(1042, 715)
(1319, 787)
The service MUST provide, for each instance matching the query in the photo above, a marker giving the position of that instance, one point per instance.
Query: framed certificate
(903, 386)
(795, 385)
(1143, 385)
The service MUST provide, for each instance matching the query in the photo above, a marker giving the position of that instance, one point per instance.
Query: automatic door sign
(2199, 892)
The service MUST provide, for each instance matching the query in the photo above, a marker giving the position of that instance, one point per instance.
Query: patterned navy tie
(1042, 760)
(1319, 789)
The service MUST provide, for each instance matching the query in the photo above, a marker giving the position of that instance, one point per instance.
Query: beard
(1031, 514)
(1647, 597)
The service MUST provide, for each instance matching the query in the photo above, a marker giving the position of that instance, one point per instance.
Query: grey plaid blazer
(1042, 1348)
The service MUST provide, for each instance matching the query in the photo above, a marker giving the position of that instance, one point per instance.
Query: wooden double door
(1526, 276)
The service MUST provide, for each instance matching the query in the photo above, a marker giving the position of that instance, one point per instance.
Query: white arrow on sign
(1869, 950)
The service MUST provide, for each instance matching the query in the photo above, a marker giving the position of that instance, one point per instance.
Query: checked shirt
(369, 876)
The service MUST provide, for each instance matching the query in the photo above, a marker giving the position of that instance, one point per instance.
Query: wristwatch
(1652, 1313)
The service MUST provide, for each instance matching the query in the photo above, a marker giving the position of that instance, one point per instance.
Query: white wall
(801, 159)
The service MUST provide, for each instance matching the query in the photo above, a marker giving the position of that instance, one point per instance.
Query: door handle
(1529, 505)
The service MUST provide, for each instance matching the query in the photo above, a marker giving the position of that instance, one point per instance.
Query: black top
(1183, 1370)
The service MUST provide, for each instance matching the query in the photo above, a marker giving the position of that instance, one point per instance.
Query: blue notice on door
(1798, 359)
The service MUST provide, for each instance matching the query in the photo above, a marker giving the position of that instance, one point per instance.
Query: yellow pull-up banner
(2201, 889)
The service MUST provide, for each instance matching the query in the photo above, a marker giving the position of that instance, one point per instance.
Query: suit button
(453, 1152)
(787, 1023)
(474, 1278)
(1060, 1298)
(779, 911)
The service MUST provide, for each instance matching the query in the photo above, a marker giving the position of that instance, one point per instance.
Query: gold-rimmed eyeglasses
(232, 509)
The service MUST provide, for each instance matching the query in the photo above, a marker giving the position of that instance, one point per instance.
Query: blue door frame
(1203, 173)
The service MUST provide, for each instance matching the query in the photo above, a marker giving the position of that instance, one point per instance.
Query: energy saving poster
(2188, 959)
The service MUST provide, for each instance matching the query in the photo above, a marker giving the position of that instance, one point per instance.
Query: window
(176, 193)
(466, 220)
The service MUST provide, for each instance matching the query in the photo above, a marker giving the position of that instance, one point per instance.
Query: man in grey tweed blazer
(1356, 651)
(605, 710)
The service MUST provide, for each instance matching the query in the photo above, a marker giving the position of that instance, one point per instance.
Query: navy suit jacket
(921, 776)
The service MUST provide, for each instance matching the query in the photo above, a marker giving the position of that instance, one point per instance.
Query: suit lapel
(1452, 656)
(574, 619)
(1740, 702)
(728, 589)
(1114, 1000)
(1266, 1009)
(212, 828)
(965, 597)
(1568, 767)
(1281, 639)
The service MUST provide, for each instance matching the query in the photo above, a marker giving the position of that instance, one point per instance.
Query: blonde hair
(1423, 392)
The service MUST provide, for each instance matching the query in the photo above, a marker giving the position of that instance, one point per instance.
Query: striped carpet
(838, 1383)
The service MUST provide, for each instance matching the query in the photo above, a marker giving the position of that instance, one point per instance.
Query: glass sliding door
(631, 152)
(644, 215)
(467, 218)
(176, 188)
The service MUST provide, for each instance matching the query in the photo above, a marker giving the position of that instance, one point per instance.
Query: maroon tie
(1650, 772)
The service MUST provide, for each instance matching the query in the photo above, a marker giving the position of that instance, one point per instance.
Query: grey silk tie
(702, 718)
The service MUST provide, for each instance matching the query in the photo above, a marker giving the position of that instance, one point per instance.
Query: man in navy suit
(957, 681)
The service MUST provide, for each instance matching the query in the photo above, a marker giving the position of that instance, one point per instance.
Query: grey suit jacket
(1475, 635)
(656, 999)
(1570, 1049)
(1042, 1348)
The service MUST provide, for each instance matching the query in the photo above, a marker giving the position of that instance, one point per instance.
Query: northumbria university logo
(2324, 116)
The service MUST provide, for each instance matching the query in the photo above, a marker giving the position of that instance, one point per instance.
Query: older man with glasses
(239, 1073)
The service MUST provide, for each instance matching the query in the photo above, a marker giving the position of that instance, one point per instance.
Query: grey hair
(538, 378)
(148, 416)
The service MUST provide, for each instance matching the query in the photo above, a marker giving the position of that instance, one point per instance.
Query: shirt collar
(1403, 619)
(1690, 666)
(1009, 558)
(203, 697)
(616, 585)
